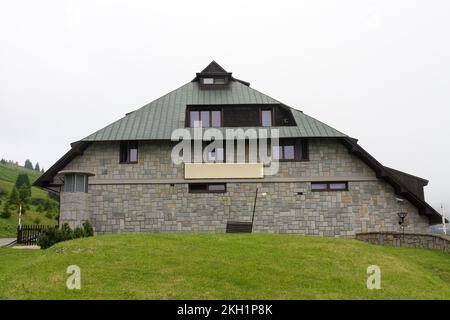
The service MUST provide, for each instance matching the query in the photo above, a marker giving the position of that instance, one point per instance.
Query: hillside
(222, 266)
(8, 176)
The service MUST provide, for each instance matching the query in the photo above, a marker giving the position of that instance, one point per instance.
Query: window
(216, 155)
(266, 118)
(212, 81)
(208, 80)
(75, 183)
(290, 149)
(207, 188)
(329, 186)
(219, 81)
(128, 152)
(208, 118)
(216, 119)
(204, 118)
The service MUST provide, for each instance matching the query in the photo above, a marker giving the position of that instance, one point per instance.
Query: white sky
(376, 70)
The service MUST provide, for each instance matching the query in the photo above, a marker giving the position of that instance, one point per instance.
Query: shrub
(6, 212)
(37, 202)
(51, 236)
(37, 220)
(66, 232)
(88, 229)
(78, 232)
(49, 215)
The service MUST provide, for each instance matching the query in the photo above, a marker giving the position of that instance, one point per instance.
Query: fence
(29, 234)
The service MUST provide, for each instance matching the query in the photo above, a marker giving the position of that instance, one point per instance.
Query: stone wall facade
(409, 240)
(152, 196)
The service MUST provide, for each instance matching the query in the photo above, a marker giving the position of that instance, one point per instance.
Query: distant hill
(34, 214)
(8, 176)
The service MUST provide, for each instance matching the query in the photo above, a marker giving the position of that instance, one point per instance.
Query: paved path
(5, 241)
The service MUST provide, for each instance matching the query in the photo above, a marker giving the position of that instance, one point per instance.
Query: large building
(123, 178)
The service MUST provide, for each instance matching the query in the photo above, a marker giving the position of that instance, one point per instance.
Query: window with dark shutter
(128, 152)
(207, 187)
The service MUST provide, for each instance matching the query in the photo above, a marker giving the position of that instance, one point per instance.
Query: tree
(36, 167)
(3, 161)
(28, 164)
(23, 180)
(13, 199)
(24, 195)
(42, 170)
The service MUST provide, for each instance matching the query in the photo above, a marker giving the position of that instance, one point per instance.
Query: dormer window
(213, 77)
(213, 81)
(205, 117)
(266, 117)
(208, 80)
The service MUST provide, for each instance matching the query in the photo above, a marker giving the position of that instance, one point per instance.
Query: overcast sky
(378, 71)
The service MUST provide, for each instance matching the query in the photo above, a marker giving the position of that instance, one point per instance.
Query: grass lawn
(222, 266)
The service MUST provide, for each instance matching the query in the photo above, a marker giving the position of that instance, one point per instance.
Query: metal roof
(158, 119)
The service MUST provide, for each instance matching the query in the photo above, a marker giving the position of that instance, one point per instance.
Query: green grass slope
(222, 266)
(8, 176)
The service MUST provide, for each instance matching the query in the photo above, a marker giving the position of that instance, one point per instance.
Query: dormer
(213, 77)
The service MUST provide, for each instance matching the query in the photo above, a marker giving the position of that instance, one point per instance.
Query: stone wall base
(409, 240)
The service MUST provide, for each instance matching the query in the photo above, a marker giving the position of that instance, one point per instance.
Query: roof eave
(400, 188)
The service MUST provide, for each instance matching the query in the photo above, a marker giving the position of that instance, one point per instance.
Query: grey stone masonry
(74, 208)
(410, 240)
(152, 196)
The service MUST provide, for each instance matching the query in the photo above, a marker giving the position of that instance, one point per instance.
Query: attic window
(208, 80)
(213, 81)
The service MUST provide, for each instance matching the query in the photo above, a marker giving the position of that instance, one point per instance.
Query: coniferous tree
(36, 167)
(28, 164)
(23, 180)
(13, 199)
(24, 195)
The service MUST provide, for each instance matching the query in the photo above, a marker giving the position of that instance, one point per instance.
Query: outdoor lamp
(402, 216)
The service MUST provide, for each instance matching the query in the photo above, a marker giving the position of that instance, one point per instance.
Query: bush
(51, 236)
(37, 202)
(37, 220)
(6, 212)
(88, 229)
(49, 215)
(78, 232)
(66, 232)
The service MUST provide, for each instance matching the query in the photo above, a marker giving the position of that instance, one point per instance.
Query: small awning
(64, 172)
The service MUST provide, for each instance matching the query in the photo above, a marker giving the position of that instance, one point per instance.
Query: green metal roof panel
(158, 119)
